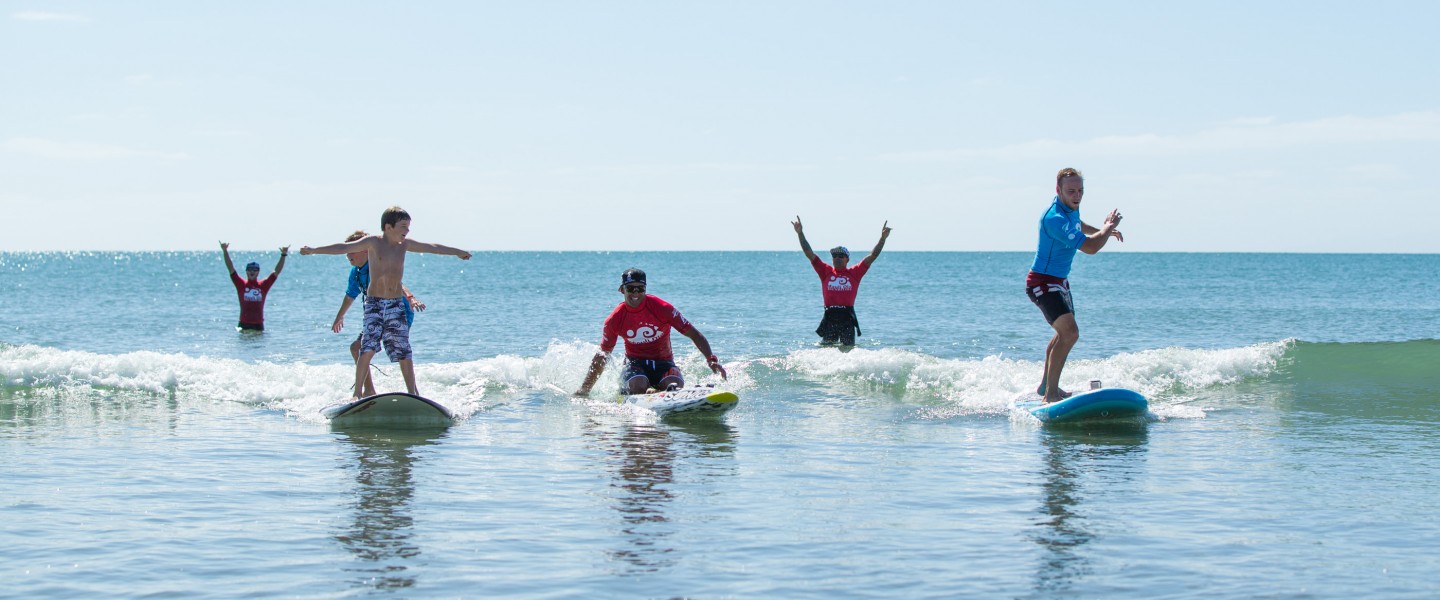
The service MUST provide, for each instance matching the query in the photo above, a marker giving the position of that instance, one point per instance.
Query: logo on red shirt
(643, 334)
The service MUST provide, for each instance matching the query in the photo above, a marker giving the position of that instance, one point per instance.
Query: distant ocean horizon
(1290, 450)
(858, 251)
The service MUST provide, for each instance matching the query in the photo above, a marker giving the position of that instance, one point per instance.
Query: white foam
(1170, 377)
(304, 389)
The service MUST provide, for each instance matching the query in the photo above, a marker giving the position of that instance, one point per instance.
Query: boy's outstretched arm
(339, 248)
(414, 246)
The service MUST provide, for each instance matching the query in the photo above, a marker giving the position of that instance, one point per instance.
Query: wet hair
(393, 215)
(359, 233)
(1067, 172)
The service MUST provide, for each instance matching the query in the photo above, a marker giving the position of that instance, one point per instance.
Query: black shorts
(250, 327)
(1053, 299)
(839, 326)
(652, 370)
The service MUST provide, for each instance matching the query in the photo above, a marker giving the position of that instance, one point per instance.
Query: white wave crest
(1169, 376)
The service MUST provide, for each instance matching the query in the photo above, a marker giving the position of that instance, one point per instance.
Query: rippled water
(1290, 454)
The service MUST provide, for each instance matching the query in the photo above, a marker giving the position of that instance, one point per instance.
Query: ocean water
(148, 449)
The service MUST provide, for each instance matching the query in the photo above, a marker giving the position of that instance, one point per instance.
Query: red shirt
(839, 287)
(646, 329)
(252, 298)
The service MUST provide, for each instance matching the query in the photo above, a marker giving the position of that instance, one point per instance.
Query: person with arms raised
(839, 284)
(252, 290)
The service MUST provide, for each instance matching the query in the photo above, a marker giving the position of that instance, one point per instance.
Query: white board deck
(684, 401)
(396, 409)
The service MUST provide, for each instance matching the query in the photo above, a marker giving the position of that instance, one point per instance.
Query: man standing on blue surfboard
(1048, 285)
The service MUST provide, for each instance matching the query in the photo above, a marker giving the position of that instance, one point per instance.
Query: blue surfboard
(1094, 405)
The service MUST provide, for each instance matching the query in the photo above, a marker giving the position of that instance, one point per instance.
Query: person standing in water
(839, 284)
(1048, 284)
(251, 290)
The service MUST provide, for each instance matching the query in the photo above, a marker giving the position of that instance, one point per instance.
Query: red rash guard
(646, 330)
(252, 298)
(839, 287)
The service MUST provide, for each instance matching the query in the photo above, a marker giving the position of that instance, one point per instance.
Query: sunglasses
(635, 289)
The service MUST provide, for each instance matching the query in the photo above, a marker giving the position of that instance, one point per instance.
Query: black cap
(632, 276)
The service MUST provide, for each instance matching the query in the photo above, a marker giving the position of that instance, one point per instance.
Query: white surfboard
(396, 409)
(700, 399)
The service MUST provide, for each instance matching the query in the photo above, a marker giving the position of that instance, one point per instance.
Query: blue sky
(1225, 126)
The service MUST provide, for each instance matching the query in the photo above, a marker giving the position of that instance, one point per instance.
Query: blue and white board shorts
(385, 322)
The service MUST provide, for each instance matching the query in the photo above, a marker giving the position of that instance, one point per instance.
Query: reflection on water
(1087, 475)
(56, 411)
(380, 531)
(643, 459)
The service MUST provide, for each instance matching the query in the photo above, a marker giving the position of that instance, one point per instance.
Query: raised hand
(798, 227)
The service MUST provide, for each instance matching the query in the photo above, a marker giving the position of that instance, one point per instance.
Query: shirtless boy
(356, 284)
(385, 298)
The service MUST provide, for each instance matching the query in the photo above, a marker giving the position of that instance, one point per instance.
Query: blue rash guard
(360, 281)
(1060, 237)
